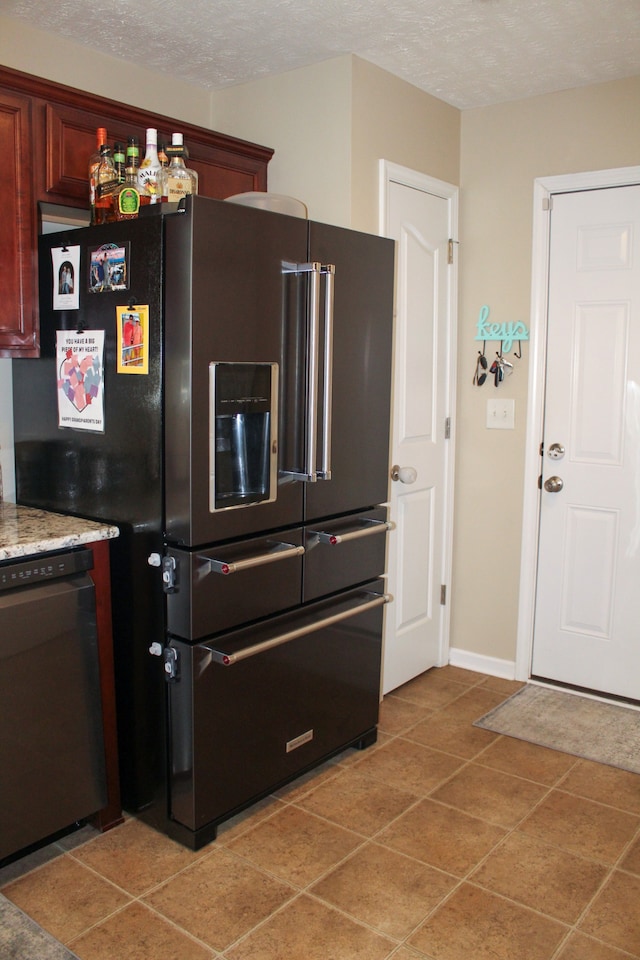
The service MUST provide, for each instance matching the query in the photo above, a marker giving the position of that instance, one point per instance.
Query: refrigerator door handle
(368, 528)
(324, 473)
(280, 551)
(228, 659)
(309, 467)
(312, 373)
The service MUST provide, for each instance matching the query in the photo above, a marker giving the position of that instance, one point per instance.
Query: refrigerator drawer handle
(372, 526)
(228, 659)
(280, 551)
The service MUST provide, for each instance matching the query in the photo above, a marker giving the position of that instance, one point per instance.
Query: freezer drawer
(345, 552)
(294, 691)
(217, 588)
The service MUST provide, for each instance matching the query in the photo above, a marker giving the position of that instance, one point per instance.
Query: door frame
(388, 173)
(543, 190)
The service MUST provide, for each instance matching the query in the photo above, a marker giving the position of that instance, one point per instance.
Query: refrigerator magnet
(108, 267)
(79, 366)
(132, 325)
(66, 274)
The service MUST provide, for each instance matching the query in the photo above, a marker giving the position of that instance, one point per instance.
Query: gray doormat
(22, 939)
(574, 724)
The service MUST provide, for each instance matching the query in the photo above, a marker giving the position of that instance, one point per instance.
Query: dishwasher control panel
(45, 566)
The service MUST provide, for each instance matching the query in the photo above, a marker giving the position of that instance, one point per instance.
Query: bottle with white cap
(180, 179)
(151, 173)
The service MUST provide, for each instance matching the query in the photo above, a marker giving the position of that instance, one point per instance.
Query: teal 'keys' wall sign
(506, 332)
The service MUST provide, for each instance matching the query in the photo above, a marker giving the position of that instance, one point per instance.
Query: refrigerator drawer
(294, 691)
(218, 588)
(342, 553)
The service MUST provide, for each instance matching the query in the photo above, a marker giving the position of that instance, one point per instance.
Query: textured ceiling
(467, 52)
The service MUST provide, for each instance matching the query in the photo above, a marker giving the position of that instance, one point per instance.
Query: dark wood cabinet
(18, 231)
(50, 132)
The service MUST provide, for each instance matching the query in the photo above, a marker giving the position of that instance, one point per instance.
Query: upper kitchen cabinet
(225, 166)
(18, 233)
(47, 134)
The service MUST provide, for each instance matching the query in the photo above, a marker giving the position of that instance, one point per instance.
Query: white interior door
(588, 586)
(420, 216)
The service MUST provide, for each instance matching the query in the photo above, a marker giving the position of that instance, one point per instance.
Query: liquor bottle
(125, 203)
(106, 185)
(150, 173)
(119, 161)
(133, 152)
(162, 155)
(94, 163)
(180, 180)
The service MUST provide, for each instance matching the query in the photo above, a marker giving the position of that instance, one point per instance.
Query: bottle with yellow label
(94, 163)
(106, 185)
(126, 200)
(180, 179)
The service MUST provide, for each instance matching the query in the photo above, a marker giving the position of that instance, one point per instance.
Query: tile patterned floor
(441, 842)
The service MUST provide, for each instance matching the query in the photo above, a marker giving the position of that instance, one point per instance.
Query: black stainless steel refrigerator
(246, 465)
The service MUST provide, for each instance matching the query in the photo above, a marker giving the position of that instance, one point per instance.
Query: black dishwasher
(52, 765)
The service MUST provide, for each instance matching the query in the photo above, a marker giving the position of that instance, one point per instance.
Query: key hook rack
(506, 333)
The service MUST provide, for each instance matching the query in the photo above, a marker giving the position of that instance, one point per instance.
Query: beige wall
(305, 115)
(394, 121)
(330, 124)
(504, 148)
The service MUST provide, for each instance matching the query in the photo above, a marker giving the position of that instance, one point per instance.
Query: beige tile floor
(442, 841)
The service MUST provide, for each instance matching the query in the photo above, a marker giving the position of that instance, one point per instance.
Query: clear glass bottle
(180, 179)
(150, 173)
(94, 163)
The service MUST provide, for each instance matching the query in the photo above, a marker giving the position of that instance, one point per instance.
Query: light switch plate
(501, 414)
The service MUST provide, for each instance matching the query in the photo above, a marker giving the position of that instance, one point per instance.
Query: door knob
(554, 484)
(404, 474)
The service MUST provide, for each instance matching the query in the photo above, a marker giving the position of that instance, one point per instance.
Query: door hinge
(169, 574)
(547, 203)
(170, 657)
(443, 594)
(447, 428)
(450, 250)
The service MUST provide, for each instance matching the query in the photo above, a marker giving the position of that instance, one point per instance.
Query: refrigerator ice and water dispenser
(243, 434)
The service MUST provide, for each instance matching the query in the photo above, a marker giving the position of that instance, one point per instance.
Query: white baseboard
(492, 666)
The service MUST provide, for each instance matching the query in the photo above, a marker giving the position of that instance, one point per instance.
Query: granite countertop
(25, 531)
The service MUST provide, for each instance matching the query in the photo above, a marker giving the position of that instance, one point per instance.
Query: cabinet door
(17, 229)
